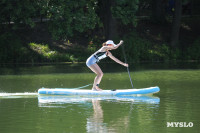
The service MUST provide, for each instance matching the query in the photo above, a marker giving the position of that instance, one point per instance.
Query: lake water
(22, 110)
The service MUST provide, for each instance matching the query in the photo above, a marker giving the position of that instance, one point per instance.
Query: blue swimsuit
(96, 57)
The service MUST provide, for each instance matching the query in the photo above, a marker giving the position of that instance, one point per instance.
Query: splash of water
(18, 95)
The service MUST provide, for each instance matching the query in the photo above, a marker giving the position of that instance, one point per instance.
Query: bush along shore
(137, 49)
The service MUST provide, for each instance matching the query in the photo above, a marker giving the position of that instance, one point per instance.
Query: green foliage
(159, 52)
(41, 49)
(140, 49)
(18, 11)
(193, 51)
(44, 53)
(125, 10)
(69, 16)
(176, 54)
(11, 49)
(91, 48)
(65, 16)
(135, 47)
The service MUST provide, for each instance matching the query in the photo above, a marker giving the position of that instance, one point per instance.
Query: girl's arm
(116, 60)
(114, 47)
(120, 43)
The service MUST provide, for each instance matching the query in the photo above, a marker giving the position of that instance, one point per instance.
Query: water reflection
(96, 121)
(48, 101)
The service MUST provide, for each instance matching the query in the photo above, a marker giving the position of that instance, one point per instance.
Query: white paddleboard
(120, 92)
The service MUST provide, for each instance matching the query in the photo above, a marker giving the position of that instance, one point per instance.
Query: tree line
(65, 18)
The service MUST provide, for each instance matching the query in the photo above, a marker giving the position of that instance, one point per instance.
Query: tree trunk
(109, 23)
(112, 24)
(176, 23)
(158, 11)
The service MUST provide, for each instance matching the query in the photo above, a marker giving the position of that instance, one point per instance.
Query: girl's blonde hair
(104, 44)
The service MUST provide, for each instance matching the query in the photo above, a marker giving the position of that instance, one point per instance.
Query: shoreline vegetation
(140, 47)
(108, 62)
(63, 36)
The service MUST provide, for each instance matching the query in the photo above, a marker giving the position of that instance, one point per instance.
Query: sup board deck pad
(118, 92)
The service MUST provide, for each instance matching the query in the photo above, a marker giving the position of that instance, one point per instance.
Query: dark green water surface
(22, 110)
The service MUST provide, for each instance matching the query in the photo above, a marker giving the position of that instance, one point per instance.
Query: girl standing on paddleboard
(102, 53)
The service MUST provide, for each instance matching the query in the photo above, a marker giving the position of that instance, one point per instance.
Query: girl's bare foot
(96, 89)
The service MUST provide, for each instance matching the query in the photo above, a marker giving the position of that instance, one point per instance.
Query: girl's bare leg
(96, 69)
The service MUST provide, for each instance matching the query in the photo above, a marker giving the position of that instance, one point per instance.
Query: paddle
(123, 51)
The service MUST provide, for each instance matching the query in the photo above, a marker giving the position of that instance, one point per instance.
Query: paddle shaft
(127, 67)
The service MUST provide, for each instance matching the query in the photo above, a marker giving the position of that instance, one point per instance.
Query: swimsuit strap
(100, 55)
